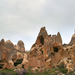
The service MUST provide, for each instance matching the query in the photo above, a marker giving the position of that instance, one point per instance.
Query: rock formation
(72, 40)
(8, 53)
(47, 52)
(20, 46)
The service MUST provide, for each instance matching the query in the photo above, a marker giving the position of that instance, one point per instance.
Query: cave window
(53, 54)
(19, 61)
(45, 59)
(42, 40)
(69, 58)
(22, 66)
(55, 49)
(1, 65)
(42, 52)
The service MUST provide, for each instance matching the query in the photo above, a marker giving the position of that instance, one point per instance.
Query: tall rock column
(20, 46)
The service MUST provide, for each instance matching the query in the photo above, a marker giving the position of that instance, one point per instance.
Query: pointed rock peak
(2, 41)
(20, 42)
(58, 33)
(8, 41)
(9, 44)
(59, 39)
(72, 40)
(73, 35)
(43, 29)
(21, 46)
(43, 32)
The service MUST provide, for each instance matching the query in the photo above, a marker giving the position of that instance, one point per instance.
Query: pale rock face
(32, 48)
(34, 69)
(11, 64)
(19, 66)
(47, 56)
(70, 67)
(19, 55)
(15, 70)
(20, 46)
(24, 59)
(48, 60)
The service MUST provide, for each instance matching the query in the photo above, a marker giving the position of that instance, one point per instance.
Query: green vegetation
(62, 69)
(52, 71)
(7, 72)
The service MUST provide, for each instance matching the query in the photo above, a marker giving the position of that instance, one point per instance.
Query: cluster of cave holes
(42, 52)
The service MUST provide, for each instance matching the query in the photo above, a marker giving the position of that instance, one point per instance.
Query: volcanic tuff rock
(72, 40)
(7, 53)
(20, 46)
(46, 52)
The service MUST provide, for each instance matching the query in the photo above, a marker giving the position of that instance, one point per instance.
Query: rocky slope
(47, 52)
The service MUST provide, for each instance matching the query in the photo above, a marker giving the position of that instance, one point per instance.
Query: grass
(11, 72)
(52, 71)
(7, 72)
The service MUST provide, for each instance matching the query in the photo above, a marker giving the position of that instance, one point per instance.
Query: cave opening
(19, 61)
(55, 49)
(42, 40)
(42, 52)
(1, 66)
(52, 54)
(22, 66)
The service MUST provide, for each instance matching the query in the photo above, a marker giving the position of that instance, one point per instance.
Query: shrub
(62, 68)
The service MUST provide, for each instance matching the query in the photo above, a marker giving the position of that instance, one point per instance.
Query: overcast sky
(22, 19)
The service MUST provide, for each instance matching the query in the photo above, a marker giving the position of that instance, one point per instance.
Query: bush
(62, 69)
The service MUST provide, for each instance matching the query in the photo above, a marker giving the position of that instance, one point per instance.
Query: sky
(22, 19)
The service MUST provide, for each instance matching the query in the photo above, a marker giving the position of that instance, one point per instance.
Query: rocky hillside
(47, 52)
